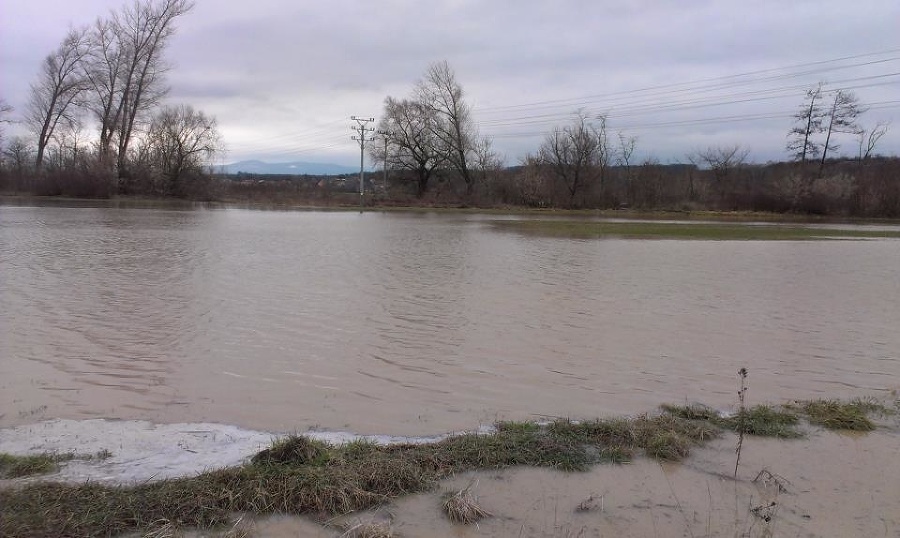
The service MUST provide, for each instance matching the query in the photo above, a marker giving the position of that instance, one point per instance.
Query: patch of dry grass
(162, 529)
(369, 529)
(462, 507)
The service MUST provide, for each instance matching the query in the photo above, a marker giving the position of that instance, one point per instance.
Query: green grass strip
(587, 229)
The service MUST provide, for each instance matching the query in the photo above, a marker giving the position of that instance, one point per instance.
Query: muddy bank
(140, 450)
(826, 484)
(833, 485)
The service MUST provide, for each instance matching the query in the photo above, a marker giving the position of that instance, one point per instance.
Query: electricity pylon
(362, 129)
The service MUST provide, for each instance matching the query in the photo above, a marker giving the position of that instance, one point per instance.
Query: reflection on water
(418, 323)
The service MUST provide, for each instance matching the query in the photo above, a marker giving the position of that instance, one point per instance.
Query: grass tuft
(759, 420)
(837, 415)
(295, 450)
(691, 412)
(369, 530)
(358, 450)
(765, 421)
(18, 466)
(667, 445)
(872, 406)
(462, 507)
(513, 427)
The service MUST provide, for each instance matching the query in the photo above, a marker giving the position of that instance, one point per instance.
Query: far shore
(346, 204)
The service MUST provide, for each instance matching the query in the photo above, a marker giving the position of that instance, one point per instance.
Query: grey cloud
(273, 72)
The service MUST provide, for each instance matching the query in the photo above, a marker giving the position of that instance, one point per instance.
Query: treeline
(109, 78)
(96, 117)
(869, 188)
(430, 142)
(852, 187)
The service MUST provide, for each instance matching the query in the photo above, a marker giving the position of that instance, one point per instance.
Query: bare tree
(624, 154)
(412, 142)
(18, 155)
(453, 126)
(841, 118)
(126, 70)
(102, 68)
(5, 110)
(55, 95)
(144, 28)
(605, 152)
(722, 161)
(808, 123)
(869, 139)
(181, 142)
(71, 144)
(486, 160)
(574, 154)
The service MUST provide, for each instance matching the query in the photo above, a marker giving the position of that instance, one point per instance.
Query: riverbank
(364, 480)
(138, 202)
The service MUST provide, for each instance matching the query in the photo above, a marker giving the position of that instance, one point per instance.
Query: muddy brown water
(417, 323)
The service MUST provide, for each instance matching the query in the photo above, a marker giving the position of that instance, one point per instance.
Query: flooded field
(418, 323)
(175, 341)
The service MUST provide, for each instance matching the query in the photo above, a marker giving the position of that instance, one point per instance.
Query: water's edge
(141, 451)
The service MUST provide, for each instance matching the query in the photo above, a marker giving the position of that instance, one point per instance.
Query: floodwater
(206, 330)
(417, 323)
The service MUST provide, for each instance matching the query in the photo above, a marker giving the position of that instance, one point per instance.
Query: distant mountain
(291, 168)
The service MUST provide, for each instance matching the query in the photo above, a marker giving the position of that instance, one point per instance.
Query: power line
(642, 107)
(655, 106)
(697, 85)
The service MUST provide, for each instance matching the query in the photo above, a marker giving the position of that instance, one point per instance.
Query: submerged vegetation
(298, 475)
(12, 466)
(759, 420)
(17, 466)
(838, 415)
(462, 507)
(589, 229)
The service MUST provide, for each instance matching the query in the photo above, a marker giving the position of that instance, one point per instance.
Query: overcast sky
(282, 78)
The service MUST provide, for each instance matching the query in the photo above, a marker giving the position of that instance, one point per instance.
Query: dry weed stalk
(462, 507)
(742, 416)
(767, 478)
(162, 529)
(369, 530)
(765, 512)
(590, 504)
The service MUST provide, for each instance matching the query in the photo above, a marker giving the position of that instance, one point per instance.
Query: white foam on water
(143, 451)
